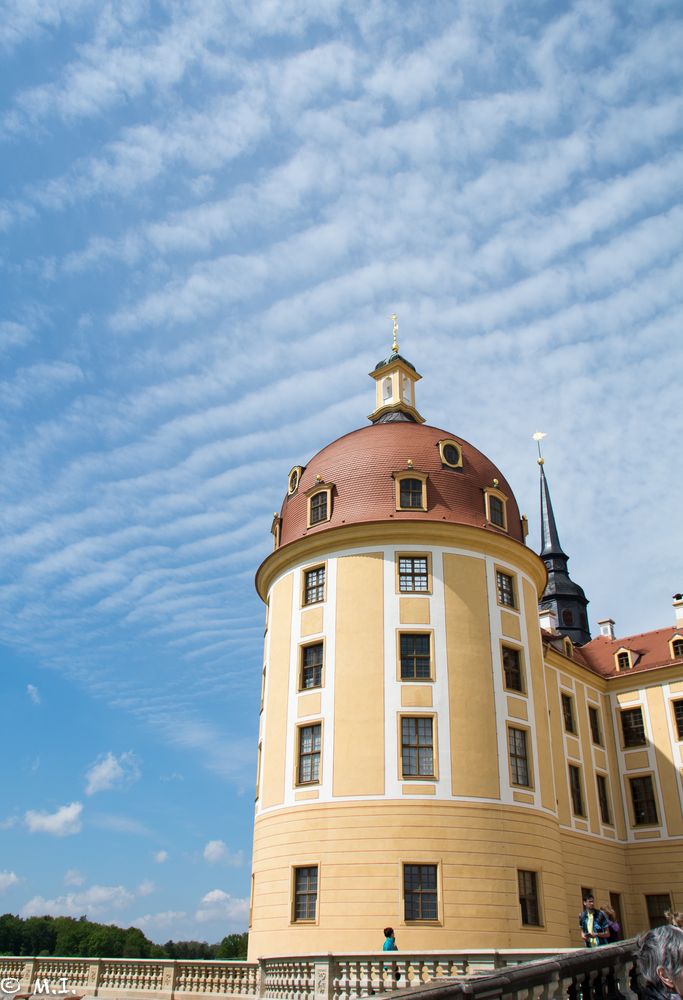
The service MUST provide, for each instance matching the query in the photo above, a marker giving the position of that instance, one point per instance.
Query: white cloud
(218, 852)
(9, 822)
(98, 900)
(7, 880)
(110, 771)
(33, 693)
(146, 888)
(62, 823)
(157, 921)
(73, 877)
(220, 905)
(160, 857)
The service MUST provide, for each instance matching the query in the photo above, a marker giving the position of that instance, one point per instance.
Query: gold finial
(538, 437)
(409, 463)
(394, 346)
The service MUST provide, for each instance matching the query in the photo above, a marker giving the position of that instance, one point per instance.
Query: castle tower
(403, 777)
(561, 595)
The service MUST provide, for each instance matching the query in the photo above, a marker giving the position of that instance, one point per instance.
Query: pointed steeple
(562, 596)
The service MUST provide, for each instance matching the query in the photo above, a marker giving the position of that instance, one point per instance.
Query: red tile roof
(360, 465)
(648, 650)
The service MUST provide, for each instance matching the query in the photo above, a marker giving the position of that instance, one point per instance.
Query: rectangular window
(528, 898)
(506, 589)
(575, 789)
(419, 892)
(643, 799)
(596, 729)
(410, 494)
(678, 717)
(603, 798)
(568, 714)
(519, 758)
(312, 666)
(623, 661)
(417, 746)
(318, 508)
(633, 727)
(314, 585)
(496, 511)
(416, 655)
(310, 743)
(512, 669)
(413, 574)
(305, 892)
(657, 905)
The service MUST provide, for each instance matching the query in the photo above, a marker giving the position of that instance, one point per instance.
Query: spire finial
(394, 346)
(538, 437)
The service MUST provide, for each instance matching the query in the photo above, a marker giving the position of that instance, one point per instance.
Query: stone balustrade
(532, 974)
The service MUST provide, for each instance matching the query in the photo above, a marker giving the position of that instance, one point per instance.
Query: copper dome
(360, 465)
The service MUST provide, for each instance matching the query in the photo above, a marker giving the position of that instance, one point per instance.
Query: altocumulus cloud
(217, 852)
(7, 880)
(95, 901)
(62, 823)
(220, 905)
(110, 771)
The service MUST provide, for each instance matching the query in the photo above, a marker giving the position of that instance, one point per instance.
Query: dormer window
(622, 659)
(319, 504)
(676, 646)
(411, 490)
(275, 530)
(496, 508)
(293, 480)
(451, 453)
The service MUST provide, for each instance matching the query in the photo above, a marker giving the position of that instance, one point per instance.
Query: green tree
(233, 946)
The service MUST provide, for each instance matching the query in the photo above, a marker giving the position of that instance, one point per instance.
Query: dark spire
(561, 595)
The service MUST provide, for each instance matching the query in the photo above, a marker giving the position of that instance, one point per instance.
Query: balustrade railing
(605, 973)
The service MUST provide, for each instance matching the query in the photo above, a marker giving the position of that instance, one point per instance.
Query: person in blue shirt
(594, 924)
(389, 940)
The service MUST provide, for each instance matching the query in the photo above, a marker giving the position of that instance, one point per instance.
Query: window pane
(305, 893)
(505, 589)
(657, 905)
(594, 719)
(603, 798)
(312, 665)
(576, 792)
(496, 512)
(417, 749)
(310, 738)
(643, 799)
(314, 589)
(623, 661)
(528, 898)
(410, 493)
(519, 765)
(568, 714)
(678, 714)
(318, 508)
(415, 656)
(632, 727)
(677, 647)
(512, 669)
(419, 890)
(413, 574)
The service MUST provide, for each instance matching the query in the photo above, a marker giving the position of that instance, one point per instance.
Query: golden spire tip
(394, 346)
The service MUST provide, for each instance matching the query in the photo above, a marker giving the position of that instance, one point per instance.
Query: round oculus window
(293, 480)
(451, 454)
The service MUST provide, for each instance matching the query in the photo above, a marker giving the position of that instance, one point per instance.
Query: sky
(208, 212)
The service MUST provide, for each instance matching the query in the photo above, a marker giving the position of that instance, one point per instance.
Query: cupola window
(293, 480)
(319, 504)
(451, 453)
(411, 490)
(496, 507)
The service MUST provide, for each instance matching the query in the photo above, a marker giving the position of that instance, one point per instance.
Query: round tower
(403, 774)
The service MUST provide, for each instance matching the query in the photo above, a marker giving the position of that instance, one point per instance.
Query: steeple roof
(550, 539)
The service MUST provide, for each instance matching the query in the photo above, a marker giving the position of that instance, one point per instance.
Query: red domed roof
(360, 467)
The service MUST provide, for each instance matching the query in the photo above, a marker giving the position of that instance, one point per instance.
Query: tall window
(415, 655)
(633, 727)
(319, 507)
(312, 666)
(677, 648)
(678, 716)
(568, 714)
(603, 798)
(506, 589)
(305, 892)
(413, 574)
(519, 759)
(576, 791)
(314, 585)
(419, 892)
(417, 746)
(410, 494)
(496, 511)
(528, 898)
(643, 799)
(512, 669)
(596, 730)
(310, 742)
(657, 905)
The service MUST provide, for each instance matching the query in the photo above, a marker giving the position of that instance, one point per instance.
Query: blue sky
(208, 212)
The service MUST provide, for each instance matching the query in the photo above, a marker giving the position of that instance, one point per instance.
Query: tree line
(67, 936)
